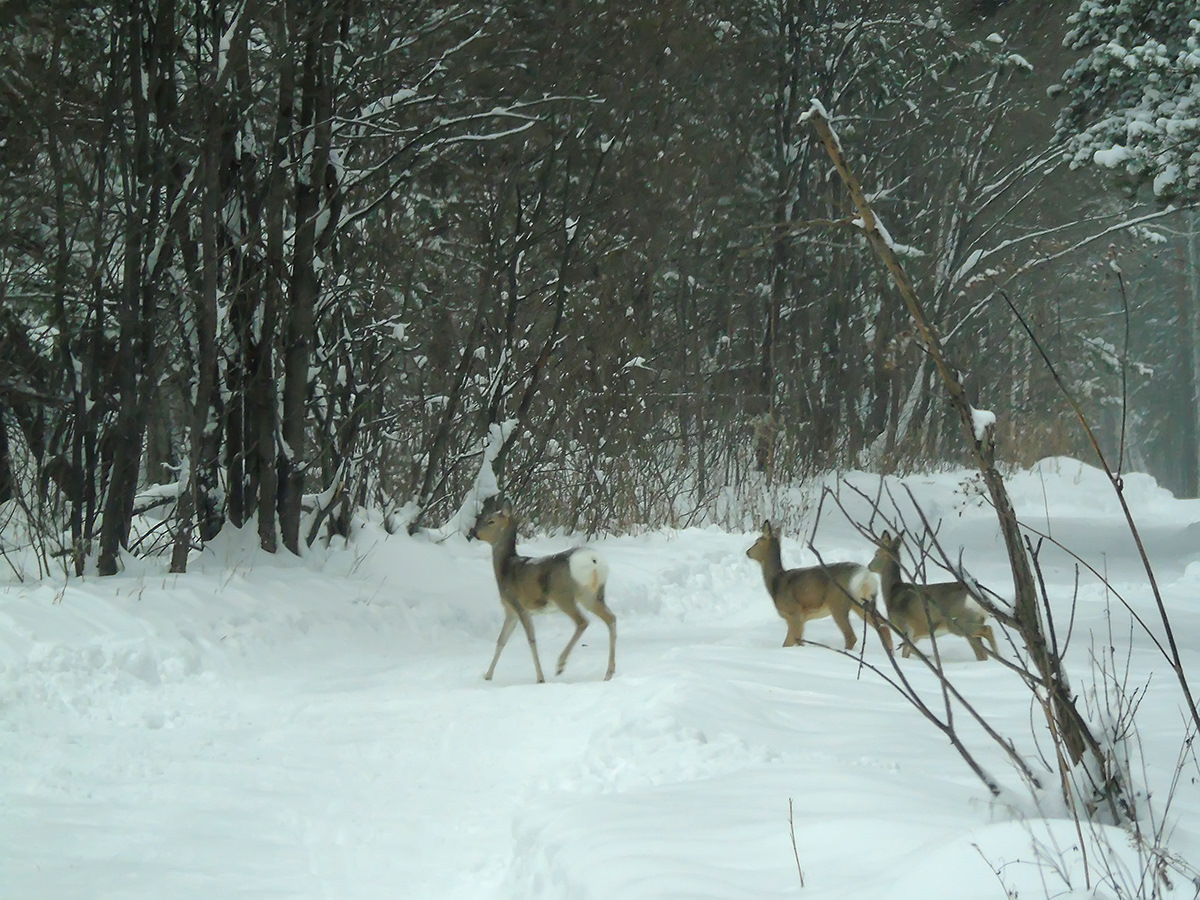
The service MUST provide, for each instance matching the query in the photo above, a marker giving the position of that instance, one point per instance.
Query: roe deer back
(565, 581)
(804, 594)
(917, 610)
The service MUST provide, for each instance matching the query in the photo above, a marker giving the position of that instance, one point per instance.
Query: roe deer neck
(504, 548)
(889, 572)
(772, 564)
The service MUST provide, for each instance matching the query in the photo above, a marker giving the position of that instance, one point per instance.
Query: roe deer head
(565, 581)
(804, 594)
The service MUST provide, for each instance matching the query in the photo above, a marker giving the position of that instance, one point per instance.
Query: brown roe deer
(917, 610)
(813, 593)
(565, 581)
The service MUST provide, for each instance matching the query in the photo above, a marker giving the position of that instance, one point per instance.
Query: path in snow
(266, 730)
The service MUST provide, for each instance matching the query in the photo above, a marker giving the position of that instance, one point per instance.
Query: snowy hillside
(266, 727)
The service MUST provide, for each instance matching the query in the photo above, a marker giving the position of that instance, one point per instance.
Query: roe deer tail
(588, 570)
(864, 585)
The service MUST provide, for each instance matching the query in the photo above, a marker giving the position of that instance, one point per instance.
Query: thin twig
(1115, 480)
(795, 849)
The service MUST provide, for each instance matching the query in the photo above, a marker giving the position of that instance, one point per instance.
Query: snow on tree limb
(485, 486)
(1135, 93)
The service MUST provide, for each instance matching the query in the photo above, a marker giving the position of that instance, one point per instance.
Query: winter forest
(273, 262)
(302, 305)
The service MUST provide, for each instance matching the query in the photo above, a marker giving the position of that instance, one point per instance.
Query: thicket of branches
(267, 262)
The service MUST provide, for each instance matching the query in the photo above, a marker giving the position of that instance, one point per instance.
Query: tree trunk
(205, 314)
(7, 482)
(262, 398)
(1193, 310)
(126, 438)
(1068, 725)
(316, 110)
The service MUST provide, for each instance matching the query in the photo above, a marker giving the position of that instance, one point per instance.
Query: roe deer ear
(767, 532)
(885, 538)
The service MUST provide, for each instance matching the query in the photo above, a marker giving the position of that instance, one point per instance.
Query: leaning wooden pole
(1062, 713)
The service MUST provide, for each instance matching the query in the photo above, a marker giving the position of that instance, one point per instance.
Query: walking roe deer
(565, 581)
(813, 593)
(917, 610)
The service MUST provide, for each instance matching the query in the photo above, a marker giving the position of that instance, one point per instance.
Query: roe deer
(564, 581)
(916, 610)
(803, 594)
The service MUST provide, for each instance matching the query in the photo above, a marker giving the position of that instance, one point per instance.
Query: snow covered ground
(266, 727)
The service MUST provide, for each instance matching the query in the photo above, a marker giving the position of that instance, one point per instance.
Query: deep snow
(266, 727)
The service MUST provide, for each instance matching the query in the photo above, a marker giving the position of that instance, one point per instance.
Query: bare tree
(1071, 730)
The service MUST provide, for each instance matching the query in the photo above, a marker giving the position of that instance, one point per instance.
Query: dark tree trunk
(191, 501)
(316, 109)
(125, 440)
(7, 484)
